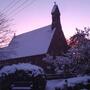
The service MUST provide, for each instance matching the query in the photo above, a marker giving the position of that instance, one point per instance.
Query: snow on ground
(51, 84)
(73, 81)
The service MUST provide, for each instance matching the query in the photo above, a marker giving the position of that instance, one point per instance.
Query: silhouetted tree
(76, 57)
(6, 35)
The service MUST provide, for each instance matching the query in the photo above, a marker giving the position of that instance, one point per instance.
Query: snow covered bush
(10, 69)
(22, 72)
(60, 64)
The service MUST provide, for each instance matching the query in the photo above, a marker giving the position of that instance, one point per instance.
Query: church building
(34, 45)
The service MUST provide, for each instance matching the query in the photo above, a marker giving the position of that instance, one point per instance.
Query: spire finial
(54, 3)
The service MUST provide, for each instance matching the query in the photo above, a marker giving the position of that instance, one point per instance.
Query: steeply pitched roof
(31, 43)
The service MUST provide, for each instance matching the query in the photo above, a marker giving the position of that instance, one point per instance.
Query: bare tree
(6, 35)
(5, 31)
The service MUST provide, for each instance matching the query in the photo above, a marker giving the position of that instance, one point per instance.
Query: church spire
(58, 44)
(55, 9)
(55, 16)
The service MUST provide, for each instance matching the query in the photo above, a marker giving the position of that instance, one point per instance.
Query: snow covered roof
(31, 43)
(36, 70)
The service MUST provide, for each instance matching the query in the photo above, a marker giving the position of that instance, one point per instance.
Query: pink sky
(74, 13)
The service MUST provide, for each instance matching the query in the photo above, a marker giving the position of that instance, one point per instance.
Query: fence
(58, 76)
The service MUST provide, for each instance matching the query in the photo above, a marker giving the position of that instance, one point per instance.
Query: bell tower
(58, 43)
(55, 16)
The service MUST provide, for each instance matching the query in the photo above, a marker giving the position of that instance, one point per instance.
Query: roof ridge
(32, 30)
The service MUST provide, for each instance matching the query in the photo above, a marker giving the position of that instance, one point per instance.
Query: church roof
(31, 43)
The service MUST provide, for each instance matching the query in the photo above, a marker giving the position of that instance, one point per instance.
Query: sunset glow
(74, 13)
